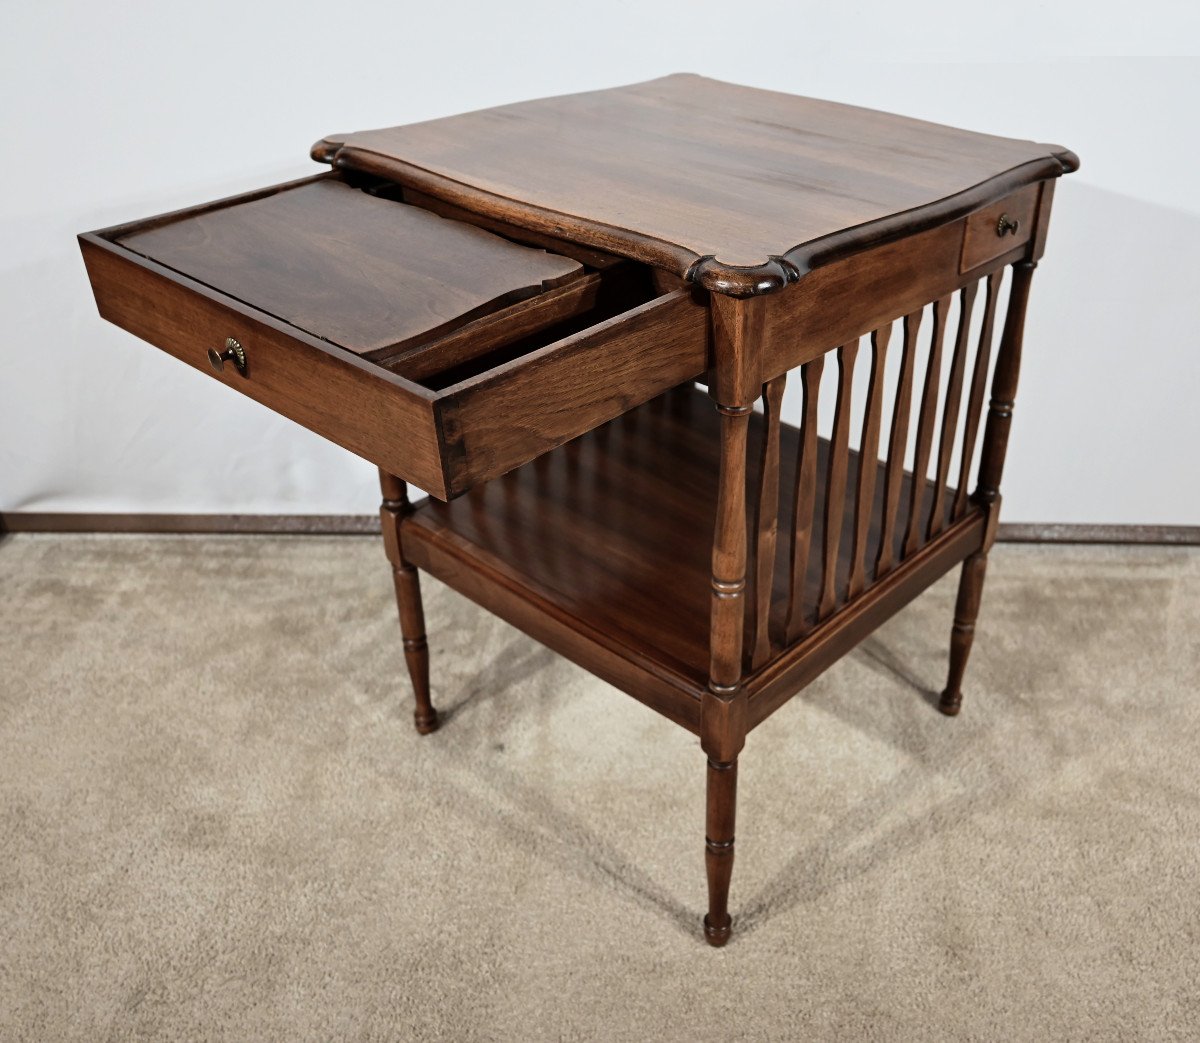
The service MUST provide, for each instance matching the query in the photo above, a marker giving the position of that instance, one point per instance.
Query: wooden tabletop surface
(685, 168)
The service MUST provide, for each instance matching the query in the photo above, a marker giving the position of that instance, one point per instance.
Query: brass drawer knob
(233, 352)
(1007, 224)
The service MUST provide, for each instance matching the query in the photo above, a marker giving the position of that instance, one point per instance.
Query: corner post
(987, 493)
(737, 333)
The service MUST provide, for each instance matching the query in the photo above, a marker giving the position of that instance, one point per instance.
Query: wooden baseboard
(368, 524)
(1022, 532)
(194, 524)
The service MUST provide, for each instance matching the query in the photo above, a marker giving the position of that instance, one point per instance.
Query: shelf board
(607, 542)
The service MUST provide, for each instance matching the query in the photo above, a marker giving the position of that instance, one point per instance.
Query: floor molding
(194, 524)
(368, 524)
(1022, 532)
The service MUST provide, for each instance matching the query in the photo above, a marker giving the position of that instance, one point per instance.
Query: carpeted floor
(218, 823)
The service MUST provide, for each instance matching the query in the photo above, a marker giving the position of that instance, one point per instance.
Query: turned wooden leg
(970, 590)
(718, 849)
(408, 599)
(991, 468)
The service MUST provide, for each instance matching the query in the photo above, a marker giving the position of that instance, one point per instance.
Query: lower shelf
(602, 550)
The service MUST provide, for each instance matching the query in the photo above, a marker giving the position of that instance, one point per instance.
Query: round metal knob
(1007, 225)
(233, 352)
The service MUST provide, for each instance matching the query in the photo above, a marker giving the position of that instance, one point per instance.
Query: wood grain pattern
(365, 273)
(836, 478)
(367, 410)
(951, 405)
(406, 307)
(898, 444)
(982, 240)
(962, 634)
(512, 413)
(518, 396)
(925, 420)
(854, 296)
(983, 355)
(486, 334)
(636, 567)
(766, 526)
(393, 509)
(685, 168)
(864, 498)
(804, 499)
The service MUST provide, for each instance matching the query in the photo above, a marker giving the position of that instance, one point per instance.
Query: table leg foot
(718, 849)
(718, 935)
(962, 636)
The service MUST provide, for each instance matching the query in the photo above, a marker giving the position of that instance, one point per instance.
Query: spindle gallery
(515, 310)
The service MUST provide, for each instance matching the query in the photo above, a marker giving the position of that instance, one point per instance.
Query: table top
(739, 188)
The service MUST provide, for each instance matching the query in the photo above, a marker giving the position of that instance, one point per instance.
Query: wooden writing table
(512, 309)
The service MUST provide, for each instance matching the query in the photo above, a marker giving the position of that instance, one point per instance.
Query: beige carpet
(218, 823)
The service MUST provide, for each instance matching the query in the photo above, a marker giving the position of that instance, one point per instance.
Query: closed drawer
(999, 228)
(465, 402)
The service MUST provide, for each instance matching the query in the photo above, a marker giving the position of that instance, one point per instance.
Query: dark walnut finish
(352, 268)
(743, 188)
(511, 309)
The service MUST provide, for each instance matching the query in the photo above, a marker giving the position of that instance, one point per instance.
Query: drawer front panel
(997, 229)
(353, 403)
(443, 441)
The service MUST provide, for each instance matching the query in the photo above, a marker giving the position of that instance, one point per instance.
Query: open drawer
(443, 352)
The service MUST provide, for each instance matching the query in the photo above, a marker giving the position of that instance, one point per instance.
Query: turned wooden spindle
(392, 511)
(987, 495)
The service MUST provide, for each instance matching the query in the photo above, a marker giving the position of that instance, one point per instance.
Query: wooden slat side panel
(979, 378)
(929, 404)
(898, 443)
(804, 497)
(951, 407)
(800, 664)
(766, 526)
(370, 412)
(864, 500)
(510, 415)
(835, 479)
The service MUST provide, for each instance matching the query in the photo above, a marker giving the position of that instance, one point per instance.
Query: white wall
(114, 111)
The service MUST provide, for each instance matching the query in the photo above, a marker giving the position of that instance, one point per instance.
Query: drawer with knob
(998, 228)
(443, 352)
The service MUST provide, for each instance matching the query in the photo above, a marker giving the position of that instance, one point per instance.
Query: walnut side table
(513, 309)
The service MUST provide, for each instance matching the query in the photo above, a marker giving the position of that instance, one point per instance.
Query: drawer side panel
(372, 413)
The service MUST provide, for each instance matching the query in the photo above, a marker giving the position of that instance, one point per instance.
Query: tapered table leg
(718, 849)
(966, 610)
(408, 599)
